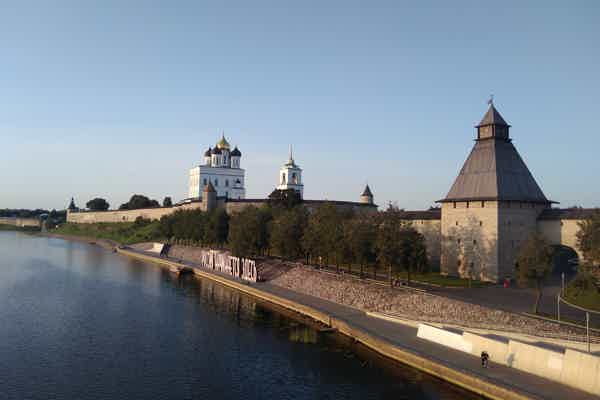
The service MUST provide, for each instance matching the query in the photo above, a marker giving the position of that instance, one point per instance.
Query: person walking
(484, 359)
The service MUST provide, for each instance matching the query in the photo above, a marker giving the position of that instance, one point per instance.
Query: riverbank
(394, 341)
(397, 342)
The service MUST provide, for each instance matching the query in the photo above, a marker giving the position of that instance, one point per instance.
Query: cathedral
(222, 169)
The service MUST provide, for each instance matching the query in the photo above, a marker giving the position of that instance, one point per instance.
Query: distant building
(221, 168)
(290, 176)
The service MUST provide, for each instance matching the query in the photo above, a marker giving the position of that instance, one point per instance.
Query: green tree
(167, 202)
(217, 227)
(287, 229)
(588, 239)
(361, 240)
(249, 231)
(387, 243)
(97, 204)
(412, 252)
(534, 265)
(138, 201)
(288, 198)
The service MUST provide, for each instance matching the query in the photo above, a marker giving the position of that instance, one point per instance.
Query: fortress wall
(516, 222)
(20, 222)
(431, 229)
(469, 240)
(560, 232)
(90, 217)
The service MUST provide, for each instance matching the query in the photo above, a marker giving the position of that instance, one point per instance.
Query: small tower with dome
(290, 176)
(222, 169)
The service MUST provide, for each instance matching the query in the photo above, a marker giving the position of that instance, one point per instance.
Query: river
(80, 322)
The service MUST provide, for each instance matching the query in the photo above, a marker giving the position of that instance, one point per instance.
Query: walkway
(405, 338)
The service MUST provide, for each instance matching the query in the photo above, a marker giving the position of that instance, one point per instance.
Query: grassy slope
(4, 227)
(122, 232)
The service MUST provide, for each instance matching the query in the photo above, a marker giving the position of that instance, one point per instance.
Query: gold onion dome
(223, 143)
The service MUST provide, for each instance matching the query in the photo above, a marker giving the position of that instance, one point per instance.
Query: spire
(492, 116)
(367, 191)
(291, 159)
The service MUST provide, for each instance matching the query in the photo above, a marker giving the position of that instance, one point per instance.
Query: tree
(139, 201)
(387, 243)
(360, 236)
(287, 230)
(287, 198)
(167, 202)
(249, 231)
(413, 251)
(588, 239)
(97, 204)
(534, 265)
(217, 227)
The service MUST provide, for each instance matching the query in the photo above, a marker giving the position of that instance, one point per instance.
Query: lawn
(122, 232)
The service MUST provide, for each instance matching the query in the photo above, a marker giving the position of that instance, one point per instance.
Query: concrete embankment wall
(20, 222)
(570, 367)
(489, 389)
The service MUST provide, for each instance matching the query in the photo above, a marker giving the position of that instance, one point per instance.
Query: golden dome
(223, 143)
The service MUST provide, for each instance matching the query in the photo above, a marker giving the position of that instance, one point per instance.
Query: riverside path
(522, 385)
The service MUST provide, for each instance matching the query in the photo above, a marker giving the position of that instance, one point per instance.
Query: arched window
(226, 182)
(294, 178)
(283, 178)
(216, 182)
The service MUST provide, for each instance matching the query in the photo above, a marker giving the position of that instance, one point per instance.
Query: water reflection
(78, 322)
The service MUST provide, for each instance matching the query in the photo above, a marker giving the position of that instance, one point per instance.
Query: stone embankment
(414, 305)
(372, 297)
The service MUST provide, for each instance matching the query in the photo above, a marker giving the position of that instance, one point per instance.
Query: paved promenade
(405, 338)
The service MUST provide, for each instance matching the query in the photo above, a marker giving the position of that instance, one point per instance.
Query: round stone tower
(209, 197)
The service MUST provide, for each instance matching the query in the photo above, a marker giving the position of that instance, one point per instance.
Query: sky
(107, 99)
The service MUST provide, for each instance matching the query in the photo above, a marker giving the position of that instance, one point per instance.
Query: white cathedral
(222, 169)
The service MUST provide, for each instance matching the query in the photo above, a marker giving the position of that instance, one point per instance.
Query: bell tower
(290, 176)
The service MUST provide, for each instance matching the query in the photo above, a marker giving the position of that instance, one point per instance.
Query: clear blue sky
(113, 98)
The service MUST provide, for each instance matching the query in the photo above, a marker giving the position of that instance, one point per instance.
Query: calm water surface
(79, 322)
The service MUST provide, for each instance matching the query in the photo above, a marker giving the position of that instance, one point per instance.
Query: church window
(458, 262)
(205, 183)
(294, 178)
(226, 182)
(216, 182)
(483, 204)
(453, 204)
(283, 178)
(458, 241)
(226, 194)
(474, 241)
(480, 223)
(456, 223)
(467, 204)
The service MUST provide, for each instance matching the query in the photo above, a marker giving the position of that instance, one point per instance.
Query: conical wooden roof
(495, 171)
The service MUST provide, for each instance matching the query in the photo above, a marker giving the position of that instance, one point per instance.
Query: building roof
(568, 213)
(432, 214)
(367, 191)
(495, 171)
(492, 117)
(236, 152)
(208, 152)
(216, 150)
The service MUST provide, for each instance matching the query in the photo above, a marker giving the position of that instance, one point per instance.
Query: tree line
(136, 201)
(322, 236)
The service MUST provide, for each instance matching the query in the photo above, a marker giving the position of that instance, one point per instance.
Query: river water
(80, 322)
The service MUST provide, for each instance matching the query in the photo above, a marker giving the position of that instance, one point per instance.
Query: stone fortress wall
(231, 206)
(20, 222)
